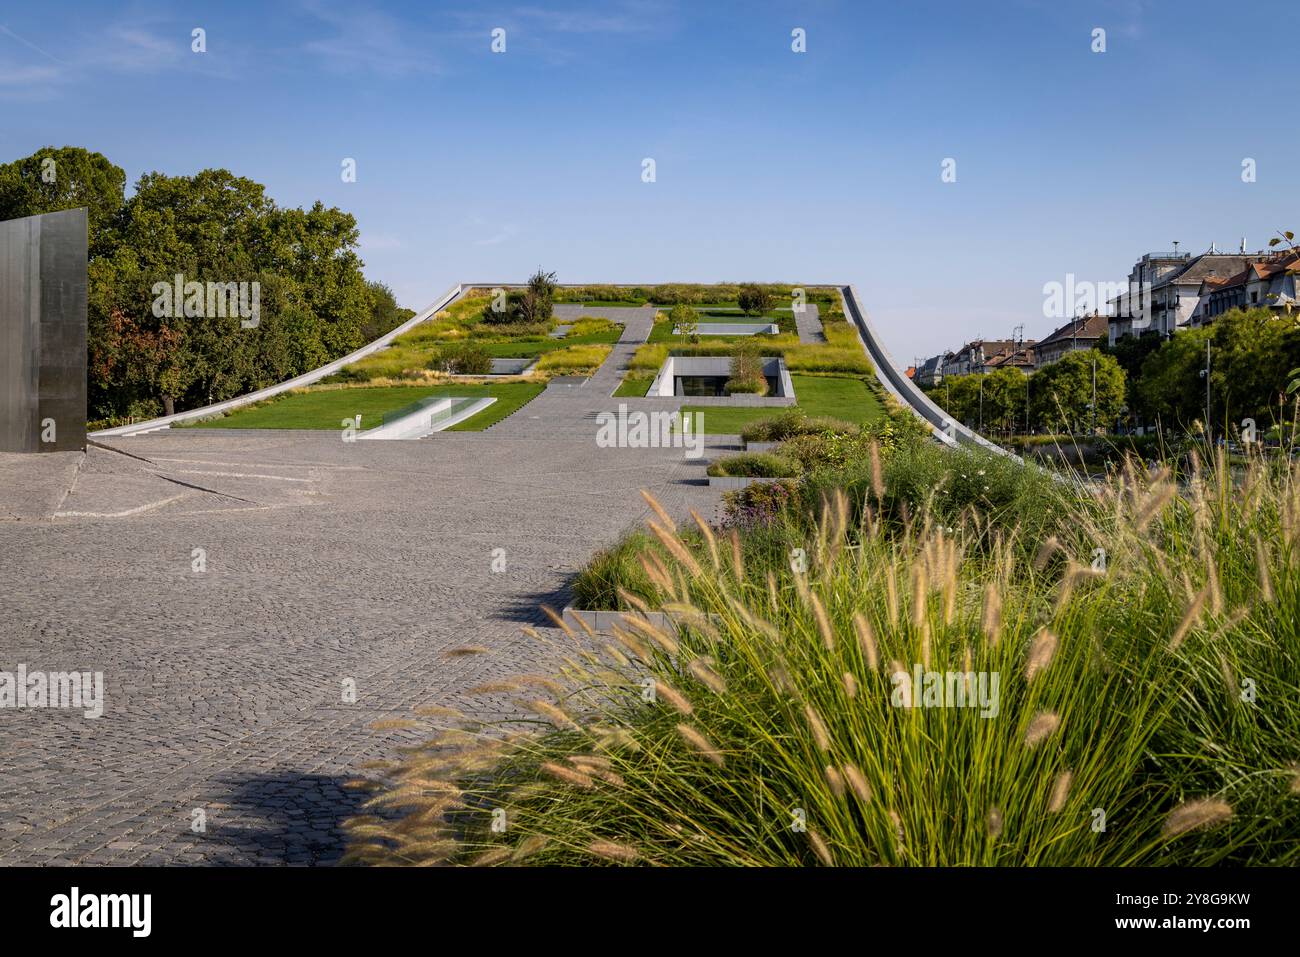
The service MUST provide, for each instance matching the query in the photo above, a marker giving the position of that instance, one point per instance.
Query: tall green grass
(1147, 652)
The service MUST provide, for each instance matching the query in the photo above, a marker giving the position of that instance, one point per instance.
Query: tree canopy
(313, 302)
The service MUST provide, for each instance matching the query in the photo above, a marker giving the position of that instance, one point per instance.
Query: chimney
(1243, 244)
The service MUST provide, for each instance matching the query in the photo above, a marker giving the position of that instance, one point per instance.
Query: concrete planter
(731, 482)
(603, 622)
(674, 367)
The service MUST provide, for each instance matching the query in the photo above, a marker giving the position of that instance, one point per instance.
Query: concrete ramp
(945, 428)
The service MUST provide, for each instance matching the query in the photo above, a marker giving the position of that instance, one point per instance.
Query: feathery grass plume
(568, 775)
(700, 743)
(558, 620)
(493, 855)
(737, 557)
(877, 473)
(620, 659)
(634, 601)
(850, 685)
(1195, 814)
(709, 540)
(773, 592)
(818, 727)
(393, 724)
(633, 644)
(1212, 586)
(1295, 778)
(439, 711)
(904, 688)
(1060, 791)
(611, 851)
(1045, 552)
(610, 778)
(674, 697)
(1041, 651)
(1261, 564)
(541, 681)
(527, 847)
(867, 640)
(657, 572)
(780, 678)
(552, 713)
(857, 782)
(675, 548)
(664, 517)
(465, 650)
(588, 762)
(1041, 727)
(820, 848)
(891, 594)
(995, 822)
(823, 621)
(760, 625)
(1190, 618)
(991, 618)
(1159, 496)
(898, 827)
(586, 628)
(665, 641)
(841, 516)
(700, 668)
(494, 687)
(835, 780)
(951, 564)
(920, 589)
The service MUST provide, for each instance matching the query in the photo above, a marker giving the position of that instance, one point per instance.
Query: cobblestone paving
(325, 561)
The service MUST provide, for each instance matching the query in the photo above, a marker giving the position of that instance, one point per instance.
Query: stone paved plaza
(325, 561)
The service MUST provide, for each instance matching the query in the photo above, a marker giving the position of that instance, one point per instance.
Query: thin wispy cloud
(367, 40)
(629, 17)
(507, 232)
(4, 30)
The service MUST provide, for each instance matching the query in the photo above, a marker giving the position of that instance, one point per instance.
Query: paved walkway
(809, 324)
(328, 565)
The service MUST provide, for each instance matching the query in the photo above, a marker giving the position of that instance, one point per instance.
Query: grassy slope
(841, 397)
(326, 409)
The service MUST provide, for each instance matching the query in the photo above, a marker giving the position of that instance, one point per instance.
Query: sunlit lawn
(327, 408)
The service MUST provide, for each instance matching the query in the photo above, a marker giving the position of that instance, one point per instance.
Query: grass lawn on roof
(327, 408)
(843, 397)
(521, 348)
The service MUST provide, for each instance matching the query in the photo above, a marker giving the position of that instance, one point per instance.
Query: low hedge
(788, 424)
(754, 465)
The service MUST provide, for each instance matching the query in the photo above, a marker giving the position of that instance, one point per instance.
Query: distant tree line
(1253, 357)
(151, 353)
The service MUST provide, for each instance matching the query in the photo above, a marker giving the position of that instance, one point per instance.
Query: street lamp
(1205, 374)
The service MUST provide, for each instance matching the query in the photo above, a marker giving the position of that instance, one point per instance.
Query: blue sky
(770, 165)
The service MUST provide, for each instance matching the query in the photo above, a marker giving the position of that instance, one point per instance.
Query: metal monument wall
(43, 333)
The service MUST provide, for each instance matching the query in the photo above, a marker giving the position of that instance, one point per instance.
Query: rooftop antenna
(1214, 248)
(1175, 247)
(1243, 244)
